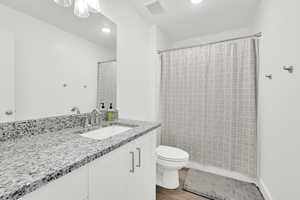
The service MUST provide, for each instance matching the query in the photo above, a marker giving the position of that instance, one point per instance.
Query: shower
(208, 103)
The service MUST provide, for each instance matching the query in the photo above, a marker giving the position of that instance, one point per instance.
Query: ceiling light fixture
(64, 3)
(82, 8)
(94, 6)
(196, 1)
(106, 30)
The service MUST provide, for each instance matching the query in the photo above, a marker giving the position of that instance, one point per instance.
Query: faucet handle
(75, 109)
(95, 111)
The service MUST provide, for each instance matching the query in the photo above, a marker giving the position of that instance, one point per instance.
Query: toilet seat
(171, 154)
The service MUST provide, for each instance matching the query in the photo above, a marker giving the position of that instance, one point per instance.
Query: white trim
(264, 190)
(221, 172)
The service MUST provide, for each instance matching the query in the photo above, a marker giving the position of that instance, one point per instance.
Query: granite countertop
(30, 162)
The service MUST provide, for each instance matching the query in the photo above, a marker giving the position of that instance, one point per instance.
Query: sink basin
(106, 132)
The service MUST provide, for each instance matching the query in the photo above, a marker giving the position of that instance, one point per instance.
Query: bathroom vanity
(53, 72)
(69, 165)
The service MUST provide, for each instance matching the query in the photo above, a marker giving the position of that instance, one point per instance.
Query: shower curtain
(208, 104)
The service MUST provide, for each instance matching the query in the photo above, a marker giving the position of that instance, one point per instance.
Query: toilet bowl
(169, 161)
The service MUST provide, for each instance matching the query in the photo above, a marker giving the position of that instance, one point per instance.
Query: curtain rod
(209, 43)
(108, 61)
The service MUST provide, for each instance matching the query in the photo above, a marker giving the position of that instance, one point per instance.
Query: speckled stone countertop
(30, 162)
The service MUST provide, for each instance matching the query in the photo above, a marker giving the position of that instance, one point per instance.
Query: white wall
(135, 96)
(7, 76)
(159, 40)
(279, 127)
(214, 37)
(162, 40)
(46, 58)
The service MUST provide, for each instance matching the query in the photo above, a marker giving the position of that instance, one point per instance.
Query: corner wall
(159, 41)
(279, 98)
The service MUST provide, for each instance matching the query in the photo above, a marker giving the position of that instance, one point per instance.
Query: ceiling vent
(155, 7)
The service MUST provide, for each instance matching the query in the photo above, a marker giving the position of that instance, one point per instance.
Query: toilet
(169, 161)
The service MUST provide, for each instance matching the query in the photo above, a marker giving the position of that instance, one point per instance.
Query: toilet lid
(171, 154)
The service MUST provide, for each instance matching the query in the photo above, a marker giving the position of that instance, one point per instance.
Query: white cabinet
(143, 181)
(73, 186)
(109, 175)
(127, 173)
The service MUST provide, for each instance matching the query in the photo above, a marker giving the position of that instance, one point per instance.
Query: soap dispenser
(110, 114)
(102, 107)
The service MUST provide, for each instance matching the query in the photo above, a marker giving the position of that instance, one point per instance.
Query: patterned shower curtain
(208, 104)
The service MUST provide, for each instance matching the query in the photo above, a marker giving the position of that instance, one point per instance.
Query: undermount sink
(106, 132)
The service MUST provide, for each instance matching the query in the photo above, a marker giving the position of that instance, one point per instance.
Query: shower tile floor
(178, 194)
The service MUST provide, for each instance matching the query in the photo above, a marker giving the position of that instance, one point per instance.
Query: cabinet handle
(132, 162)
(140, 155)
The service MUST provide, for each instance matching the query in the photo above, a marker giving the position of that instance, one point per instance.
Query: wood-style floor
(178, 194)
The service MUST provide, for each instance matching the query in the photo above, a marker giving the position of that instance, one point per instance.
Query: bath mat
(217, 187)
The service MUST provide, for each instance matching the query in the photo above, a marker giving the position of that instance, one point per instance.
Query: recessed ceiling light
(196, 1)
(106, 30)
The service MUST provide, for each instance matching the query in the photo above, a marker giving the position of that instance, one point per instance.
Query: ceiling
(182, 20)
(63, 18)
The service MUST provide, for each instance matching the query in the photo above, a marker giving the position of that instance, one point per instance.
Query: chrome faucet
(92, 119)
(75, 110)
(95, 117)
(87, 121)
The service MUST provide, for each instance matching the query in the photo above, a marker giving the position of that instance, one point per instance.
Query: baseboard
(222, 172)
(264, 190)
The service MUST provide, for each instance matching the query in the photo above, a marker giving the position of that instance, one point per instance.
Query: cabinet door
(127, 173)
(144, 179)
(110, 175)
(73, 186)
(7, 77)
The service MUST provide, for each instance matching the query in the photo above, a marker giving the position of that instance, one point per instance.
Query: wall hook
(269, 76)
(289, 69)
